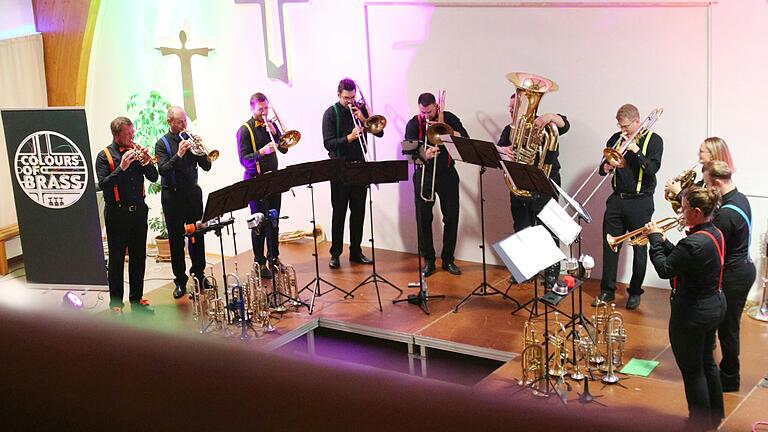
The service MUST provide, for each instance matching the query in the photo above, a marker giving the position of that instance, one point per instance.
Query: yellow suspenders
(253, 145)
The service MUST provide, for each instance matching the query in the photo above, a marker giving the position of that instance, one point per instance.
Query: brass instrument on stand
(533, 362)
(559, 341)
(258, 300)
(208, 307)
(616, 338)
(600, 320)
(583, 348)
(285, 285)
(527, 140)
(760, 311)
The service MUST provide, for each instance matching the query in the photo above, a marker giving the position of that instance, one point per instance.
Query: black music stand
(367, 173)
(308, 174)
(485, 155)
(411, 150)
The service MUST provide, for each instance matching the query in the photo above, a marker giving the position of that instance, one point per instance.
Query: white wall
(18, 18)
(327, 41)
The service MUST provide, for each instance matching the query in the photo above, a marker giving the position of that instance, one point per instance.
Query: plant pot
(163, 250)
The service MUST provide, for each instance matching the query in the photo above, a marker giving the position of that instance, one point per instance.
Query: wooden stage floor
(486, 322)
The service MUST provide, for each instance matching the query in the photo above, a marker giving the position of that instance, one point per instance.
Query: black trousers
(692, 326)
(184, 207)
(126, 230)
(622, 216)
(269, 230)
(737, 280)
(345, 196)
(447, 191)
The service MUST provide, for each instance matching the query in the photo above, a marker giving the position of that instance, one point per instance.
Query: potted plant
(150, 124)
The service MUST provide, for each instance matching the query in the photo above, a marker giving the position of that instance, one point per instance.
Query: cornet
(639, 237)
(142, 154)
(198, 148)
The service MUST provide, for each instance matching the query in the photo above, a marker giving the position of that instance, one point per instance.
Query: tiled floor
(483, 321)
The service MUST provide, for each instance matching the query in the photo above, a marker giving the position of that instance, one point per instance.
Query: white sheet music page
(528, 252)
(451, 147)
(559, 222)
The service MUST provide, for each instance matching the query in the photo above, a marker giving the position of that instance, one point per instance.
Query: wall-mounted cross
(185, 55)
(277, 62)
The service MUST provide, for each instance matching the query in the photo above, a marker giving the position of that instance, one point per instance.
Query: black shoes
(450, 266)
(360, 258)
(607, 297)
(180, 290)
(429, 268)
(265, 273)
(334, 262)
(633, 301)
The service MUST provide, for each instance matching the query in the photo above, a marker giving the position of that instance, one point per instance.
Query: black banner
(53, 185)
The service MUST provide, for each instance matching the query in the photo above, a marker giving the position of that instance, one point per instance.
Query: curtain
(22, 85)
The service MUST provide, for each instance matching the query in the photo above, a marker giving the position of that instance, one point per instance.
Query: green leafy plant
(149, 122)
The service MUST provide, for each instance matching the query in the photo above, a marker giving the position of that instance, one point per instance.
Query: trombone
(287, 140)
(374, 124)
(615, 155)
(432, 136)
(639, 237)
(198, 148)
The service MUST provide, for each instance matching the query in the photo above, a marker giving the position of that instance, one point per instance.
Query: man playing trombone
(630, 206)
(438, 165)
(257, 141)
(343, 137)
(182, 198)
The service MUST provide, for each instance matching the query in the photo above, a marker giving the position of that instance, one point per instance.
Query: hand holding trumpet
(183, 147)
(128, 158)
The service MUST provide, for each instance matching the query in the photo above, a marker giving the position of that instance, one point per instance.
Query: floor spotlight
(72, 301)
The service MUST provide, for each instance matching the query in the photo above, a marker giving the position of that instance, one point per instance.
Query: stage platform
(483, 327)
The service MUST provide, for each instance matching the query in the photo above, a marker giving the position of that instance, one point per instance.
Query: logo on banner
(50, 169)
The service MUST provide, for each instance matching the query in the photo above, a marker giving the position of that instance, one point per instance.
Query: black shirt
(249, 158)
(694, 261)
(335, 131)
(178, 173)
(626, 178)
(552, 156)
(416, 129)
(130, 183)
(734, 227)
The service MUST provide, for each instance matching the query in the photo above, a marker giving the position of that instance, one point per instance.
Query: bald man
(182, 198)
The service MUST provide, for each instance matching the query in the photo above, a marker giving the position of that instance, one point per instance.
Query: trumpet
(198, 148)
(639, 237)
(686, 179)
(374, 124)
(433, 131)
(142, 154)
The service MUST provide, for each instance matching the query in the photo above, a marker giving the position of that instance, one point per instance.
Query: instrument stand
(422, 297)
(374, 277)
(315, 283)
(586, 397)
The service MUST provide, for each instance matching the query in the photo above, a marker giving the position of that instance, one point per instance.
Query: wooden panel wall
(67, 27)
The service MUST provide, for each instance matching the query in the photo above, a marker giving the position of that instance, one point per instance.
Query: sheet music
(559, 222)
(451, 147)
(528, 252)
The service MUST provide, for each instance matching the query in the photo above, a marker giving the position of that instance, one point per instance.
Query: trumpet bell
(375, 124)
(613, 157)
(213, 155)
(289, 139)
(435, 130)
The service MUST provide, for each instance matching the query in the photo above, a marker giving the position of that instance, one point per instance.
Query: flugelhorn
(686, 179)
(432, 136)
(198, 148)
(639, 237)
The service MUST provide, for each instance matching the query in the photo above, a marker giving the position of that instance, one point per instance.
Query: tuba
(527, 140)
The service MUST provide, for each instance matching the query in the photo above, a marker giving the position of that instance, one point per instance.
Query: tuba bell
(527, 140)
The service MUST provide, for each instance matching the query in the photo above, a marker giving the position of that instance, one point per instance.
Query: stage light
(72, 301)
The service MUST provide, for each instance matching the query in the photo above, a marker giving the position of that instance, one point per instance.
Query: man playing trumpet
(182, 198)
(121, 179)
(256, 141)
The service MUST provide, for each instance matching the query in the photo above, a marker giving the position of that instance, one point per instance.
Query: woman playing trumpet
(711, 149)
(695, 269)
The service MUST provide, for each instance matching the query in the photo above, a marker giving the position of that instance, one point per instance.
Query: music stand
(308, 174)
(485, 155)
(367, 173)
(411, 150)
